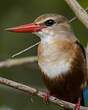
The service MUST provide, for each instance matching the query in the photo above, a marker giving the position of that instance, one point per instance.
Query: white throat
(44, 35)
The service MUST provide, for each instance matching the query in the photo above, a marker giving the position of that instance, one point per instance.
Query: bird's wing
(82, 49)
(84, 96)
(84, 93)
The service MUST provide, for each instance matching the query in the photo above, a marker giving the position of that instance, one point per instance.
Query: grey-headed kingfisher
(61, 57)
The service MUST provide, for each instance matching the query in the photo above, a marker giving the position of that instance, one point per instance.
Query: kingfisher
(61, 57)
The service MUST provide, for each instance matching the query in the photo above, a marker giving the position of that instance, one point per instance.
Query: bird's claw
(46, 96)
(77, 105)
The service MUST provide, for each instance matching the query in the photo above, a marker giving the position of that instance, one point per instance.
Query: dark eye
(49, 22)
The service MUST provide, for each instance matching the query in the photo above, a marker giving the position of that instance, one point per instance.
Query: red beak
(28, 28)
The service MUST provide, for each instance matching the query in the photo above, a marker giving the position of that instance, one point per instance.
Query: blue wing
(83, 98)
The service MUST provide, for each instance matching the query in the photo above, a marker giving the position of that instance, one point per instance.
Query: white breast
(55, 69)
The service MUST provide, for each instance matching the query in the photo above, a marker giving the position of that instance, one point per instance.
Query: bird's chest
(53, 60)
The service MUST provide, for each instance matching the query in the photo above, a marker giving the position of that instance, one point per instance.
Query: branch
(74, 18)
(79, 11)
(28, 89)
(20, 61)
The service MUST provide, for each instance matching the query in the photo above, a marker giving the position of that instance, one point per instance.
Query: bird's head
(45, 25)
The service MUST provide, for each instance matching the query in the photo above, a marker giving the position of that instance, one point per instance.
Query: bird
(61, 57)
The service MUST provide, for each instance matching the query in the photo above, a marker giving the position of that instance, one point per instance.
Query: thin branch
(24, 50)
(74, 18)
(79, 11)
(28, 89)
(19, 61)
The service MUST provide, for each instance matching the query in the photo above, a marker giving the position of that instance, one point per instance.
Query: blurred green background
(18, 12)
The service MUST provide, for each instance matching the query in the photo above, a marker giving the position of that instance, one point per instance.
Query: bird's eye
(49, 22)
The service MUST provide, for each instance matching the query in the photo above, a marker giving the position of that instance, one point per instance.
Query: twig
(28, 89)
(24, 50)
(19, 61)
(74, 18)
(79, 11)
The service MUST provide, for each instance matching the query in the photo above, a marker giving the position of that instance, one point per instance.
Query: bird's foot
(46, 96)
(77, 105)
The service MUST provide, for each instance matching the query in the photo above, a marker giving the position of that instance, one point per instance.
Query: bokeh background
(18, 12)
